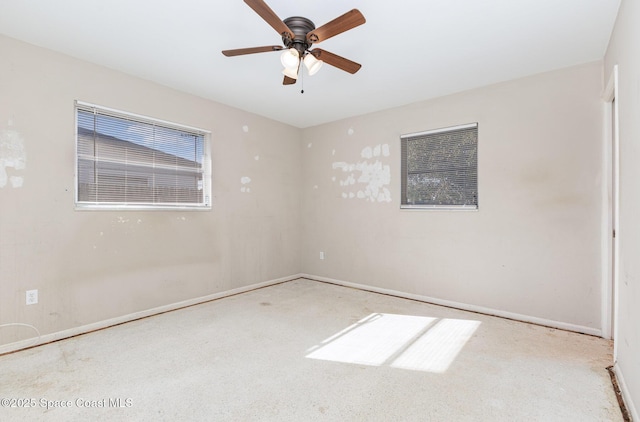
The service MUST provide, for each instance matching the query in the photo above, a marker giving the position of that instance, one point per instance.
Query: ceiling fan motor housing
(300, 27)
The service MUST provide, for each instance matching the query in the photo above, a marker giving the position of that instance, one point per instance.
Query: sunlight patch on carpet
(400, 341)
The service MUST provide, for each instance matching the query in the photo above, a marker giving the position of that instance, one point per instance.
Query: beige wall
(624, 49)
(533, 247)
(91, 266)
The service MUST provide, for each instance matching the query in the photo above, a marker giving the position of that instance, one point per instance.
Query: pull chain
(302, 81)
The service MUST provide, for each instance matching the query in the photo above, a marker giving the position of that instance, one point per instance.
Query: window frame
(207, 177)
(403, 172)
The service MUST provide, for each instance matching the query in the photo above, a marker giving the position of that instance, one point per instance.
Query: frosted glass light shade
(290, 58)
(292, 73)
(312, 64)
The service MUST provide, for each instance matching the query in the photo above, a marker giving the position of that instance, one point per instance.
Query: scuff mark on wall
(373, 176)
(245, 181)
(12, 155)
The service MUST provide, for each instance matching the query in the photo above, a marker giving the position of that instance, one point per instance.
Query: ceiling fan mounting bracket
(286, 39)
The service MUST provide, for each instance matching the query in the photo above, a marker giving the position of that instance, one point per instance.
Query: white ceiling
(410, 50)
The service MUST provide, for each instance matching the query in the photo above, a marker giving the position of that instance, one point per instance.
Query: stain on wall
(12, 156)
(366, 179)
(244, 180)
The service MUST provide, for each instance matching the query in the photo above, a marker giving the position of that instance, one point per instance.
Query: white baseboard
(47, 338)
(626, 396)
(463, 306)
(71, 332)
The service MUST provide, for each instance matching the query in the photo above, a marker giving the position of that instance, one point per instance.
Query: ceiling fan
(298, 34)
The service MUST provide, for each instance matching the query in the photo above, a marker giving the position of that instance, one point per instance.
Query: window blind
(128, 160)
(440, 168)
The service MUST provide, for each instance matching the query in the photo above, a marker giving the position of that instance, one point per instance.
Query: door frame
(611, 211)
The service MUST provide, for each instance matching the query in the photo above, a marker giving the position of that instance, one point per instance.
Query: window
(440, 168)
(131, 161)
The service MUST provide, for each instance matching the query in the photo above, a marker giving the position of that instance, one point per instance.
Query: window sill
(439, 208)
(110, 207)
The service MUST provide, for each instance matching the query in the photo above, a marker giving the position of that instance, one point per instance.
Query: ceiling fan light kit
(290, 58)
(290, 72)
(312, 64)
(298, 34)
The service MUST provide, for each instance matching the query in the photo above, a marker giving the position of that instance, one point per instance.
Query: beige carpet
(305, 351)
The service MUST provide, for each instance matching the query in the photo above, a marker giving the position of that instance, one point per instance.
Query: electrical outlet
(321, 255)
(32, 297)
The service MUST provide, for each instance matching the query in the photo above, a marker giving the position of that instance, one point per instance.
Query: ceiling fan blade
(335, 60)
(251, 50)
(269, 16)
(343, 23)
(288, 81)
